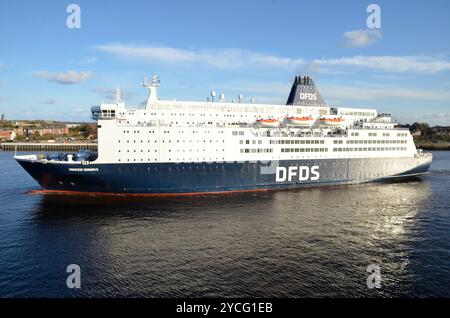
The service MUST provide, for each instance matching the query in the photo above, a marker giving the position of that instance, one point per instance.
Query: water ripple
(301, 243)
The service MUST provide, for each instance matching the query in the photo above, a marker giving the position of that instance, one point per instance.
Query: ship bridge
(109, 111)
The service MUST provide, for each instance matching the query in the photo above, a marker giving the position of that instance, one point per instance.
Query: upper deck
(304, 101)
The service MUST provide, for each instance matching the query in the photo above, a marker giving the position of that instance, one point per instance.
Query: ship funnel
(305, 93)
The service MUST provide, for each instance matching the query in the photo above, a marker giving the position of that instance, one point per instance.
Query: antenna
(155, 81)
(240, 98)
(213, 94)
(144, 82)
(252, 100)
(221, 97)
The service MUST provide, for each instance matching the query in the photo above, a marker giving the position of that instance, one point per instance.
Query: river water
(295, 243)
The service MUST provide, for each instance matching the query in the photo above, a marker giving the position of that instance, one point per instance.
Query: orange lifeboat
(334, 121)
(268, 122)
(305, 121)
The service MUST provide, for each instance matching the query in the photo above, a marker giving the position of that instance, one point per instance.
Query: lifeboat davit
(305, 121)
(334, 121)
(268, 122)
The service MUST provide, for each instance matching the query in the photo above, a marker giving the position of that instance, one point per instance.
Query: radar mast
(153, 87)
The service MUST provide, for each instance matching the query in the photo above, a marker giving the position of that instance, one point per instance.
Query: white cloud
(442, 115)
(110, 94)
(239, 58)
(361, 93)
(361, 38)
(69, 77)
(277, 92)
(148, 52)
(220, 58)
(390, 64)
(440, 119)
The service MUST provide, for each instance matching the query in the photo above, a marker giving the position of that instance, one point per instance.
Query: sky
(399, 63)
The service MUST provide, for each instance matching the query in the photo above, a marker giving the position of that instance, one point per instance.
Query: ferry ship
(174, 147)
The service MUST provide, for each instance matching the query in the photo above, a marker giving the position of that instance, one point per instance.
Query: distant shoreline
(47, 146)
(444, 146)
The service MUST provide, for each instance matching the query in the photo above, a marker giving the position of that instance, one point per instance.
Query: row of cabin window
(198, 150)
(134, 160)
(374, 134)
(170, 159)
(257, 150)
(178, 150)
(141, 150)
(209, 115)
(376, 141)
(202, 115)
(170, 141)
(255, 110)
(296, 142)
(247, 142)
(349, 113)
(168, 131)
(356, 134)
(370, 149)
(304, 149)
(340, 142)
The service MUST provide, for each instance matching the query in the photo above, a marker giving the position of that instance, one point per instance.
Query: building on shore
(46, 131)
(7, 135)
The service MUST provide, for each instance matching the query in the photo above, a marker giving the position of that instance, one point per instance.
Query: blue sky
(49, 71)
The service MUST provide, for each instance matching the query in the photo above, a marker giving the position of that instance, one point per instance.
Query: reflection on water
(310, 242)
(274, 244)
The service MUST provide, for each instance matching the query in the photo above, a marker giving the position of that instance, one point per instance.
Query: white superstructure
(175, 131)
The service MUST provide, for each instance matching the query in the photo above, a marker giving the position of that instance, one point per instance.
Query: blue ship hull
(190, 178)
